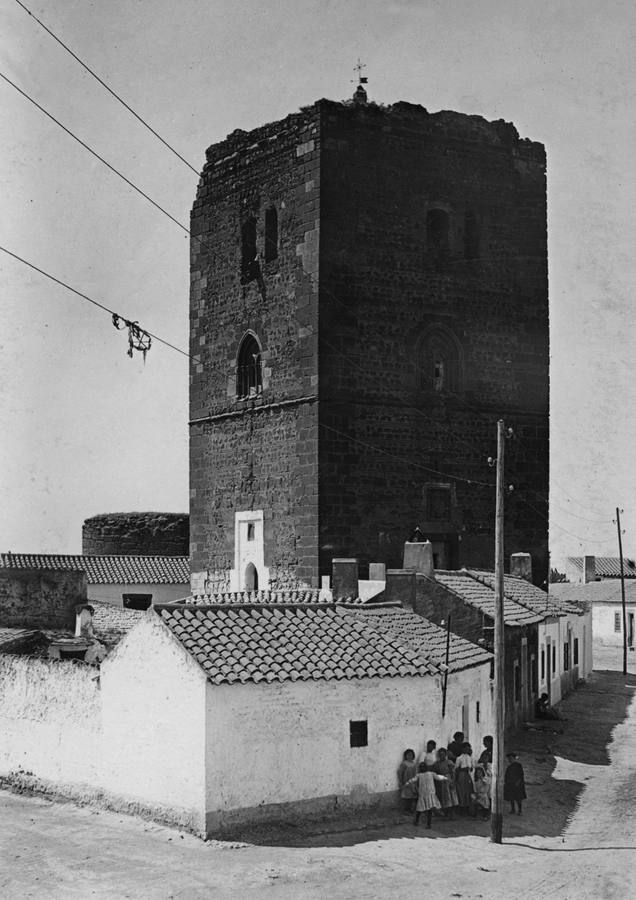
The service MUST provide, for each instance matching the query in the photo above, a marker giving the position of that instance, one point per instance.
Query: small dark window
(438, 504)
(534, 686)
(137, 601)
(437, 230)
(543, 665)
(566, 656)
(250, 531)
(477, 711)
(358, 736)
(576, 651)
(471, 235)
(249, 260)
(553, 659)
(72, 654)
(248, 373)
(517, 683)
(438, 362)
(492, 669)
(271, 234)
(617, 621)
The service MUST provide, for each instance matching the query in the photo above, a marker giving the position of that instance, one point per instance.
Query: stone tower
(369, 294)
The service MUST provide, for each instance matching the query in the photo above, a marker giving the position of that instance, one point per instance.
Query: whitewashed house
(226, 714)
(605, 599)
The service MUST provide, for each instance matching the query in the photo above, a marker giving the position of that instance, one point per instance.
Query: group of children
(448, 778)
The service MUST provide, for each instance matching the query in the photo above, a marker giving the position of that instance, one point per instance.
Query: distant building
(369, 295)
(605, 599)
(583, 569)
(135, 582)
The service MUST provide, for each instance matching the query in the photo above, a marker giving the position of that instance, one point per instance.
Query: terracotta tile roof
(422, 636)
(475, 592)
(107, 569)
(521, 591)
(608, 566)
(256, 597)
(288, 643)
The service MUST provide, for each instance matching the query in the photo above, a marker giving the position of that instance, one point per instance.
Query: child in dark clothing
(406, 771)
(514, 783)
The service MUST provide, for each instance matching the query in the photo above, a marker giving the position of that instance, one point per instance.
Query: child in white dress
(426, 797)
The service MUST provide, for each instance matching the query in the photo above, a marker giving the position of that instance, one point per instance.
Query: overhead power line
(96, 155)
(109, 89)
(115, 316)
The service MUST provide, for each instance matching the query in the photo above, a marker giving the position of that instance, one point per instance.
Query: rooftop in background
(253, 643)
(310, 596)
(475, 590)
(526, 594)
(107, 569)
(606, 566)
(606, 591)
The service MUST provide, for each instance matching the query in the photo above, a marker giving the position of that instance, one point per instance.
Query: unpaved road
(576, 838)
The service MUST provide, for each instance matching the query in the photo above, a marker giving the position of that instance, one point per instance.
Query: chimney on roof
(521, 566)
(589, 569)
(418, 557)
(344, 578)
(400, 587)
(84, 621)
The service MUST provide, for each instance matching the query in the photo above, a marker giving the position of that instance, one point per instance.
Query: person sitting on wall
(543, 710)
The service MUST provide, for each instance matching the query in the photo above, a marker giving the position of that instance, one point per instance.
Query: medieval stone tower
(369, 295)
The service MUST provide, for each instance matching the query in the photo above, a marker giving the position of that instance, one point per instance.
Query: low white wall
(50, 722)
(161, 593)
(153, 708)
(284, 742)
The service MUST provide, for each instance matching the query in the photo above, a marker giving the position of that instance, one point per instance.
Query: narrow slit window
(477, 711)
(471, 235)
(250, 531)
(249, 259)
(566, 656)
(358, 733)
(271, 234)
(576, 652)
(542, 665)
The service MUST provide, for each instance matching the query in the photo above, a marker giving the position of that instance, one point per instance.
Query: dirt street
(575, 839)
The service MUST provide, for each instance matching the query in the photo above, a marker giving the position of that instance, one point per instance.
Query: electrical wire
(109, 89)
(94, 153)
(94, 302)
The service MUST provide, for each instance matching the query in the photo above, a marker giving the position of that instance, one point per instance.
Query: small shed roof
(107, 569)
(252, 643)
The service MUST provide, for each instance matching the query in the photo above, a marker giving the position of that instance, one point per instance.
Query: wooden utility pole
(496, 820)
(620, 553)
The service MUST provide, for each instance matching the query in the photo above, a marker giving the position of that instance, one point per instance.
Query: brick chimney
(400, 587)
(589, 569)
(521, 566)
(344, 578)
(418, 557)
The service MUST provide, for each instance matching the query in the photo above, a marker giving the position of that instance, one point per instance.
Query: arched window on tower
(439, 363)
(271, 234)
(251, 577)
(437, 232)
(249, 382)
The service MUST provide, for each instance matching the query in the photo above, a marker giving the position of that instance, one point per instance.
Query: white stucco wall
(281, 743)
(603, 618)
(50, 723)
(558, 631)
(161, 593)
(153, 708)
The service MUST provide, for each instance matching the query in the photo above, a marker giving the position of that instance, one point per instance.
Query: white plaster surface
(603, 622)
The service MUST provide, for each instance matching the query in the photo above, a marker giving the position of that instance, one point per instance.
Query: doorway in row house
(630, 630)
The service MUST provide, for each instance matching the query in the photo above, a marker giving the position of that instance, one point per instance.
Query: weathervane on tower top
(360, 95)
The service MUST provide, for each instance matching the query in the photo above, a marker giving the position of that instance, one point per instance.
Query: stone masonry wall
(384, 287)
(40, 598)
(259, 453)
(136, 534)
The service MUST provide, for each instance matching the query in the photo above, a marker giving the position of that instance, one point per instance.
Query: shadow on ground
(557, 766)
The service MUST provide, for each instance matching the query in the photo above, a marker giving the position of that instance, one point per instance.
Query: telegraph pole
(496, 820)
(620, 553)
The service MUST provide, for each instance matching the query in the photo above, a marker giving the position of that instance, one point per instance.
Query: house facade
(605, 600)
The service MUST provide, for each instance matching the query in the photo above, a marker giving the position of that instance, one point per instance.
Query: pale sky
(88, 430)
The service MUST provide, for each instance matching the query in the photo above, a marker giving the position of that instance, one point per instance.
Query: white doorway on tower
(249, 572)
